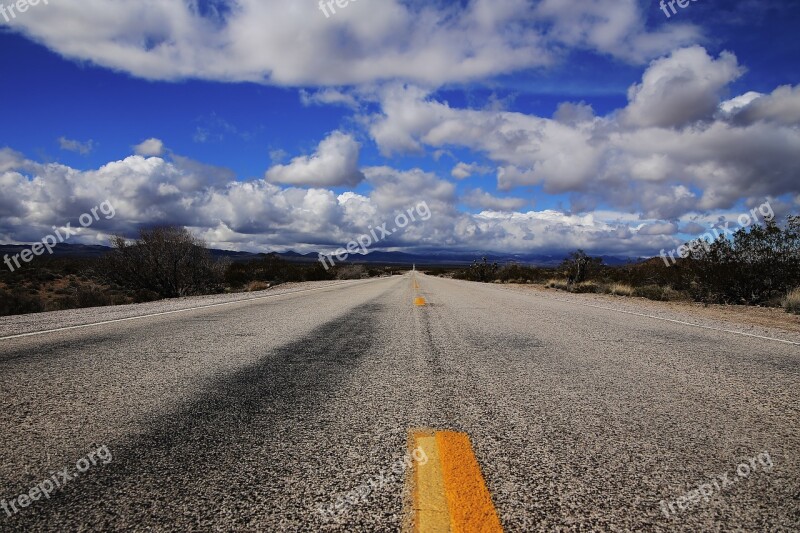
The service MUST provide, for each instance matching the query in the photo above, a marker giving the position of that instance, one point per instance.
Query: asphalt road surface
(271, 414)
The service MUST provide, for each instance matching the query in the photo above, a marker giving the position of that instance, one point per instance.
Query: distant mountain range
(436, 258)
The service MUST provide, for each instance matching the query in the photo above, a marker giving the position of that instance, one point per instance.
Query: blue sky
(602, 125)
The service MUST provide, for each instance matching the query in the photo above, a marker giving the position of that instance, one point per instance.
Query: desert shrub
(273, 269)
(482, 271)
(755, 266)
(651, 292)
(144, 296)
(619, 289)
(672, 295)
(586, 287)
(168, 261)
(351, 272)
(579, 267)
(255, 286)
(515, 273)
(792, 301)
(316, 272)
(555, 283)
(92, 295)
(18, 302)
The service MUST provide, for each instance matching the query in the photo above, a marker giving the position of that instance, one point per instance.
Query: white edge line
(80, 326)
(675, 321)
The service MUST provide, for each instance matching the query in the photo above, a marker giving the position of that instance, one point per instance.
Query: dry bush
(557, 284)
(93, 295)
(662, 294)
(255, 286)
(351, 272)
(482, 271)
(672, 295)
(514, 273)
(18, 302)
(792, 302)
(168, 261)
(580, 267)
(757, 265)
(619, 289)
(651, 292)
(586, 287)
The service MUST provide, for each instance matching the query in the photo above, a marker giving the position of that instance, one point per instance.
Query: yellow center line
(450, 481)
(419, 301)
(430, 502)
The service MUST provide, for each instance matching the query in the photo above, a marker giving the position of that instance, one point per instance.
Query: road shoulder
(768, 322)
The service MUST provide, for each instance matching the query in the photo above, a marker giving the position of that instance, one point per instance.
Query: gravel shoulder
(769, 322)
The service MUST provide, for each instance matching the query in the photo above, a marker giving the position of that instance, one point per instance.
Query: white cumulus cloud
(334, 163)
(150, 148)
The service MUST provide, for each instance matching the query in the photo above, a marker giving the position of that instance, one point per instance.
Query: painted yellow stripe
(430, 501)
(469, 501)
(449, 493)
(420, 302)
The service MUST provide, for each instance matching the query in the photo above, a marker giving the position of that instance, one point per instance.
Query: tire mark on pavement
(231, 450)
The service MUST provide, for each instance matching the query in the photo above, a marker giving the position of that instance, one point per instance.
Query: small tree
(167, 260)
(580, 267)
(483, 270)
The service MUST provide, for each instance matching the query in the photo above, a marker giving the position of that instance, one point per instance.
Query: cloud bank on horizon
(688, 146)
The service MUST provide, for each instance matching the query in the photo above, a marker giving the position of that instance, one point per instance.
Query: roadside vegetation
(792, 302)
(759, 265)
(163, 262)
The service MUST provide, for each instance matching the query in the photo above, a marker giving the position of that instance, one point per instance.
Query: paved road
(252, 416)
